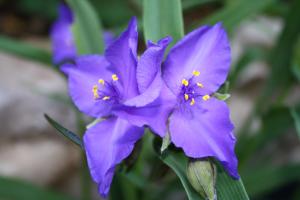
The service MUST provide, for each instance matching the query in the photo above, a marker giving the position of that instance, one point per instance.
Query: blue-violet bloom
(63, 45)
(124, 91)
(199, 123)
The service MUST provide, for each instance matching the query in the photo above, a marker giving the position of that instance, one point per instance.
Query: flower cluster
(173, 95)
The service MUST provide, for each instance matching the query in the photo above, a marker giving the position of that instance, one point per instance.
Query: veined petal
(61, 35)
(205, 50)
(82, 76)
(149, 74)
(155, 115)
(205, 130)
(122, 54)
(107, 144)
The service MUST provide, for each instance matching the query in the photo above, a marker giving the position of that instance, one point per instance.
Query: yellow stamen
(196, 73)
(95, 91)
(186, 97)
(200, 85)
(105, 98)
(205, 97)
(185, 82)
(192, 102)
(114, 77)
(101, 81)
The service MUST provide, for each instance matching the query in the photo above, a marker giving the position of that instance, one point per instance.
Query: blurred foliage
(11, 189)
(263, 177)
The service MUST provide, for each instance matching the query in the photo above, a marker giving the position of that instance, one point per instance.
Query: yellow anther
(95, 91)
(105, 98)
(185, 82)
(192, 102)
(114, 77)
(196, 73)
(205, 97)
(200, 85)
(186, 97)
(101, 81)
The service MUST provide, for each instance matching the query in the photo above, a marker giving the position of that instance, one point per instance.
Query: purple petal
(154, 115)
(62, 41)
(206, 50)
(109, 38)
(205, 130)
(107, 144)
(122, 54)
(81, 78)
(149, 74)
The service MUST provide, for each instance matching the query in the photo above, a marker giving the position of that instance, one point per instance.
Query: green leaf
(296, 116)
(165, 142)
(274, 123)
(178, 165)
(86, 29)
(264, 179)
(25, 50)
(232, 14)
(228, 188)
(68, 134)
(11, 189)
(222, 97)
(281, 57)
(162, 18)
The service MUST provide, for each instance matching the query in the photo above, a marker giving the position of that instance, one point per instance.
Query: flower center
(190, 90)
(107, 90)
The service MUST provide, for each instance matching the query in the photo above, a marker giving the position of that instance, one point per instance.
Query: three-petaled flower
(122, 89)
(193, 70)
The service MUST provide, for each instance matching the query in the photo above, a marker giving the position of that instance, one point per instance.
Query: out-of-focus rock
(29, 147)
(259, 31)
(27, 91)
(41, 161)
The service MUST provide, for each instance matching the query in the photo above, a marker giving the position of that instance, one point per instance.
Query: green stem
(85, 178)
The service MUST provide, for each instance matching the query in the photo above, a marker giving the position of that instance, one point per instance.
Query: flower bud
(202, 175)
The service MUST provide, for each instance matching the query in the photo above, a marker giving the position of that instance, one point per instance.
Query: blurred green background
(36, 163)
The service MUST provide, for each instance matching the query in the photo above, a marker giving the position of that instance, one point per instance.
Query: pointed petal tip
(132, 24)
(161, 43)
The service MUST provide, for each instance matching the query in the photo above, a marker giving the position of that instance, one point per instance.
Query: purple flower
(124, 91)
(193, 70)
(63, 45)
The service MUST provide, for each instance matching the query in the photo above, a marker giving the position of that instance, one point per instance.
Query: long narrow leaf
(86, 29)
(162, 18)
(228, 188)
(178, 165)
(24, 50)
(12, 189)
(264, 179)
(296, 116)
(232, 14)
(68, 134)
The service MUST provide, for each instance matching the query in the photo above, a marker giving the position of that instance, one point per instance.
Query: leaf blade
(65, 132)
(13, 189)
(25, 50)
(87, 30)
(162, 18)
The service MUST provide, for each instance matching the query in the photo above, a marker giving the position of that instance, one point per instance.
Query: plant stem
(85, 179)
